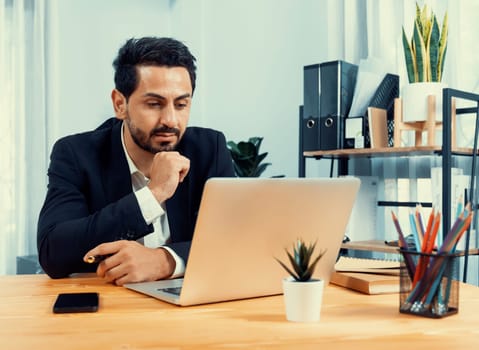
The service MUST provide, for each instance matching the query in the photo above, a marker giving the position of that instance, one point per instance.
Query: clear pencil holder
(429, 284)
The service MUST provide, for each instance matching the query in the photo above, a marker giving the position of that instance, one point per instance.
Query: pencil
(432, 236)
(410, 266)
(428, 229)
(427, 247)
(456, 231)
(459, 206)
(96, 258)
(419, 223)
(412, 222)
(402, 240)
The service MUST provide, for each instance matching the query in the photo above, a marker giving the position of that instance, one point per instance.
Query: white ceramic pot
(414, 101)
(303, 299)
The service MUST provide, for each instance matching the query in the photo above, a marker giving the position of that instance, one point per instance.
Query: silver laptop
(244, 224)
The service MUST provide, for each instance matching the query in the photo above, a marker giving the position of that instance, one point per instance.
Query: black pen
(96, 258)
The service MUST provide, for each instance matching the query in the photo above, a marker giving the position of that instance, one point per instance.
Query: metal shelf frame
(445, 151)
(447, 97)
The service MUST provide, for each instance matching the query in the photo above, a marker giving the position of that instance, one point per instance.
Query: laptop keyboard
(172, 290)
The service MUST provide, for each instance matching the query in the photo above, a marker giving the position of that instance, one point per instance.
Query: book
(367, 283)
(369, 276)
(378, 130)
(351, 264)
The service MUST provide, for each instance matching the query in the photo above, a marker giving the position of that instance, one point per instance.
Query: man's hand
(130, 261)
(167, 171)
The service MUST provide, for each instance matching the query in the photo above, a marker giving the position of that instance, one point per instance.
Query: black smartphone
(76, 302)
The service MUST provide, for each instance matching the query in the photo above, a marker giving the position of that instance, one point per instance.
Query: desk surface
(128, 320)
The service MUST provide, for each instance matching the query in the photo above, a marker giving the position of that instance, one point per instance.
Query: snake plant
(426, 51)
(303, 265)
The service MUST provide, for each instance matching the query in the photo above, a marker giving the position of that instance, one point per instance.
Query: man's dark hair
(150, 51)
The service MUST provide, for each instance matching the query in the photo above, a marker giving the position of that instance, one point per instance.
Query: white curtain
(359, 29)
(22, 112)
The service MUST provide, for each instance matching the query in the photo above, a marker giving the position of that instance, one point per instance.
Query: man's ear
(119, 104)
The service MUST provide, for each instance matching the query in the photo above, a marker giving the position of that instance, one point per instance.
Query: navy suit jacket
(90, 198)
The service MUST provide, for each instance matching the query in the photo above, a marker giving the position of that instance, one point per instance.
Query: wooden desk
(128, 320)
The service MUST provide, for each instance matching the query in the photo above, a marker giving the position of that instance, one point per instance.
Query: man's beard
(143, 140)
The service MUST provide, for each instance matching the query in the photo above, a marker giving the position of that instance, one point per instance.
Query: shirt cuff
(180, 264)
(149, 206)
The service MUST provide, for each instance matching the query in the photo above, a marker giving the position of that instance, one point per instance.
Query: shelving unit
(446, 151)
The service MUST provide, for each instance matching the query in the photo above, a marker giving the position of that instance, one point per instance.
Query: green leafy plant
(247, 160)
(301, 261)
(425, 52)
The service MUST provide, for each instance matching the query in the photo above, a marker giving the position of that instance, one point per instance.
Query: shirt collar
(131, 165)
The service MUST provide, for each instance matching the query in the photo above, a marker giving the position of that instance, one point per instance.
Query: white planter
(414, 101)
(303, 300)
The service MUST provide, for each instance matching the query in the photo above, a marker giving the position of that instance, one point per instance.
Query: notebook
(367, 283)
(244, 223)
(369, 276)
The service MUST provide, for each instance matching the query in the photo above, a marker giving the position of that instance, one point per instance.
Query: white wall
(252, 71)
(250, 56)
(83, 37)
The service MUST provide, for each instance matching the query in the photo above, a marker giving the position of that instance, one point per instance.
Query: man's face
(157, 112)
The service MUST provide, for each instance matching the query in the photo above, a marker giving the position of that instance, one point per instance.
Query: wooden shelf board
(381, 246)
(384, 152)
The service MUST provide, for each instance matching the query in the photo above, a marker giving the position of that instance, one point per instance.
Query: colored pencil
(428, 293)
(410, 266)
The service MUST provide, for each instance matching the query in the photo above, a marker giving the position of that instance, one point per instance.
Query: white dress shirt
(153, 213)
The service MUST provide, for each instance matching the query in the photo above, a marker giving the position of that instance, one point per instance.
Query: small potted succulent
(303, 294)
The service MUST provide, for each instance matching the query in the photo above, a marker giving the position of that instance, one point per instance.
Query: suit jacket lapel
(117, 173)
(178, 208)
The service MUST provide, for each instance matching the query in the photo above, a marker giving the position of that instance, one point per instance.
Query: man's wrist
(157, 194)
(149, 206)
(177, 263)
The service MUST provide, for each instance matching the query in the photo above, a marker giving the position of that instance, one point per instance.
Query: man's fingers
(168, 169)
(183, 174)
(102, 251)
(184, 168)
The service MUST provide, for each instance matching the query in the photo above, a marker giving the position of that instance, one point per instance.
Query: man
(130, 190)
